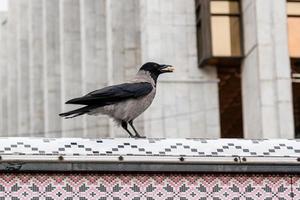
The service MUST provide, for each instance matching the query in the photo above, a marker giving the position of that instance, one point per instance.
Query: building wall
(187, 100)
(12, 72)
(266, 71)
(3, 73)
(52, 66)
(23, 67)
(63, 49)
(60, 49)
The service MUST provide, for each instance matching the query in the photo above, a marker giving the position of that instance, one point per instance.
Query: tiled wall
(85, 186)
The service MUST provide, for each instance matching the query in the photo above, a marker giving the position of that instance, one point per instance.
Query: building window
(296, 96)
(219, 38)
(219, 32)
(293, 12)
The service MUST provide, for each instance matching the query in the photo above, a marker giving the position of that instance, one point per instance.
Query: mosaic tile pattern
(27, 186)
(296, 187)
(150, 147)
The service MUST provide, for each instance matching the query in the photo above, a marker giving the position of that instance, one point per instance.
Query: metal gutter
(149, 164)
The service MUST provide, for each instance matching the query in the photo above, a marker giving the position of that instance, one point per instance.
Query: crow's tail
(77, 112)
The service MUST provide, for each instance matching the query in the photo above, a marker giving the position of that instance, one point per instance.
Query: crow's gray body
(129, 109)
(123, 102)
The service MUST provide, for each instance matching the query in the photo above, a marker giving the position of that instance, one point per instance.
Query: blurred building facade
(236, 62)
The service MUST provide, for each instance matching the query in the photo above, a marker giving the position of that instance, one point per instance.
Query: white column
(266, 82)
(211, 101)
(94, 59)
(12, 94)
(126, 45)
(71, 79)
(123, 47)
(52, 65)
(37, 112)
(187, 100)
(109, 55)
(23, 67)
(3, 74)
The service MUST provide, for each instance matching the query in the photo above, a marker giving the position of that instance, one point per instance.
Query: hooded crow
(123, 102)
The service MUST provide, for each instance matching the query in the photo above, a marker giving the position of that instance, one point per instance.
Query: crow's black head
(156, 69)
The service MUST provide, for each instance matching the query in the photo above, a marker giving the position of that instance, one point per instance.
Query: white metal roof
(149, 147)
(129, 150)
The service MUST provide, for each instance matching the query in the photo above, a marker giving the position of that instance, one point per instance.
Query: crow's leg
(124, 125)
(136, 133)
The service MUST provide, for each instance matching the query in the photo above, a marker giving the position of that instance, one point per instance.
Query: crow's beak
(167, 68)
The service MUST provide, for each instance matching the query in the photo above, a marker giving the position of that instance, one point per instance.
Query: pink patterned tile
(147, 186)
(296, 187)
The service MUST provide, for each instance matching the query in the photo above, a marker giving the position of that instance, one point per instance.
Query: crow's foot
(139, 136)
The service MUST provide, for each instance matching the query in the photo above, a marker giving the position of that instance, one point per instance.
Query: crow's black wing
(113, 94)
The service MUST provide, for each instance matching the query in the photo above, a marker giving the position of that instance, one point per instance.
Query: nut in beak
(169, 68)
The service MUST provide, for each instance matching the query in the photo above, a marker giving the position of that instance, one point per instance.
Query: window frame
(294, 59)
(204, 18)
(295, 69)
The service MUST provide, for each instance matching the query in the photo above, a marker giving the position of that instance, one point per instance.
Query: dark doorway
(296, 95)
(230, 97)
